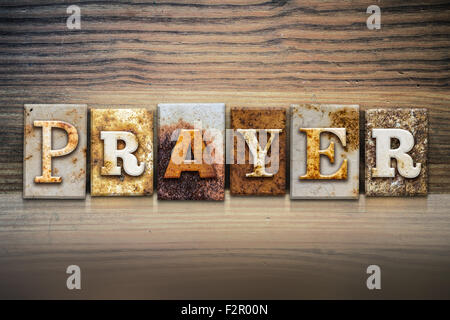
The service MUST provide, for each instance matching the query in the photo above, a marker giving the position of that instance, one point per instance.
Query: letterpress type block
(121, 152)
(396, 152)
(191, 151)
(257, 151)
(54, 151)
(324, 152)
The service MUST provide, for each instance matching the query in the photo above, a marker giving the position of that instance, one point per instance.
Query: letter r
(130, 162)
(384, 153)
(48, 153)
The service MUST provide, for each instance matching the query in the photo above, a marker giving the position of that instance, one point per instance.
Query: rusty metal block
(262, 170)
(191, 161)
(54, 151)
(324, 151)
(121, 152)
(396, 152)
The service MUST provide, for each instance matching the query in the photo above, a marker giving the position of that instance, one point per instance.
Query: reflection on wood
(241, 248)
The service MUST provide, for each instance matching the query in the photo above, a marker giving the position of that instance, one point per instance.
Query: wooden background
(242, 53)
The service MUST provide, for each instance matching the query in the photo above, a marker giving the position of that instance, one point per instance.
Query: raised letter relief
(48, 153)
(55, 151)
(313, 153)
(187, 130)
(178, 162)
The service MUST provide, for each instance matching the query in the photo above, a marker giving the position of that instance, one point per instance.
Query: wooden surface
(254, 53)
(240, 248)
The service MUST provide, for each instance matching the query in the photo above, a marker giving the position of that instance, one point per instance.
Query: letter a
(178, 162)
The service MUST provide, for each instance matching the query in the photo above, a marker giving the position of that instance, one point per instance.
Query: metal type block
(191, 155)
(121, 152)
(55, 151)
(258, 150)
(396, 152)
(324, 151)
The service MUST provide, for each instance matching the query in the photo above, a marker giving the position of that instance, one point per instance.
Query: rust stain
(80, 174)
(108, 166)
(71, 112)
(258, 118)
(349, 119)
(190, 186)
(28, 130)
(312, 107)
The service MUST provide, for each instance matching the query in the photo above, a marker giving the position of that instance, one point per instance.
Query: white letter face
(384, 154)
(130, 162)
(259, 154)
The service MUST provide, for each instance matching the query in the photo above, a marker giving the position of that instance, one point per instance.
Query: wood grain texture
(240, 248)
(243, 53)
(284, 45)
(252, 53)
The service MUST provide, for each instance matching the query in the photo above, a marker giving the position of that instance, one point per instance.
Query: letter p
(48, 153)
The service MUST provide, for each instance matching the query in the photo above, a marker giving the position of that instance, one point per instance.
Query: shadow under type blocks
(55, 151)
(324, 151)
(189, 134)
(265, 177)
(121, 152)
(396, 152)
